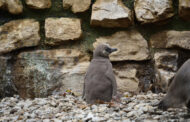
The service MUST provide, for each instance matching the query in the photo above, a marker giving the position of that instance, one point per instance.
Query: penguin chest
(97, 77)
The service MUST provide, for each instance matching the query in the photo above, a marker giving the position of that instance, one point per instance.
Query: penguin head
(103, 50)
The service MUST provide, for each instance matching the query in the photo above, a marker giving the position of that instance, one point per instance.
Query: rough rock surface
(184, 9)
(18, 34)
(166, 59)
(62, 29)
(133, 77)
(13, 6)
(151, 11)
(7, 87)
(111, 13)
(39, 4)
(77, 5)
(73, 77)
(67, 108)
(130, 44)
(166, 67)
(1, 3)
(171, 39)
(42, 72)
(127, 79)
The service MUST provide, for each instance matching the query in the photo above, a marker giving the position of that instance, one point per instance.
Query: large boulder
(165, 67)
(42, 72)
(18, 34)
(7, 88)
(151, 11)
(39, 4)
(184, 9)
(133, 77)
(171, 39)
(130, 44)
(77, 5)
(59, 30)
(12, 6)
(111, 13)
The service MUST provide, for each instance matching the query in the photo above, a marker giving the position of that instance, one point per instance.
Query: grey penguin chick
(179, 90)
(99, 82)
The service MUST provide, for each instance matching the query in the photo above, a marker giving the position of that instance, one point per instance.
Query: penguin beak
(113, 50)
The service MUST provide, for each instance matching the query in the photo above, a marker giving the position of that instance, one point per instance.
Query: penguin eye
(108, 50)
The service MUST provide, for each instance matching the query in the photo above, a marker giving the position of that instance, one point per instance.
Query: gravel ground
(67, 107)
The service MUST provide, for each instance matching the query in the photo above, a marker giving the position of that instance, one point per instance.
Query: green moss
(129, 3)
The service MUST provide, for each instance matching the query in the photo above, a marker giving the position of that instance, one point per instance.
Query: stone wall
(46, 45)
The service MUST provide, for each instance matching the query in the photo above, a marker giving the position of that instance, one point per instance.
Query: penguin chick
(99, 82)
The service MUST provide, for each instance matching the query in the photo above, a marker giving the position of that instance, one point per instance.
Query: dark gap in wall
(9, 88)
(14, 53)
(184, 55)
